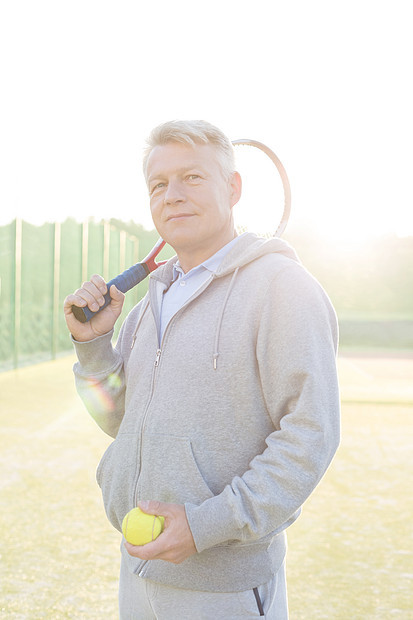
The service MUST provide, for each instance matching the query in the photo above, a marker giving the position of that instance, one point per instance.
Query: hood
(248, 248)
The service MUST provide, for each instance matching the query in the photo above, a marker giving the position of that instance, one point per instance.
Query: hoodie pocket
(170, 472)
(116, 474)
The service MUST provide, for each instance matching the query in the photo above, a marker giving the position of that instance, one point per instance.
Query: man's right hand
(91, 295)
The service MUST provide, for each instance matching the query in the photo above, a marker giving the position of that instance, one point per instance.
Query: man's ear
(236, 188)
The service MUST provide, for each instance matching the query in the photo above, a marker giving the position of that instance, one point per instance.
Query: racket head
(261, 211)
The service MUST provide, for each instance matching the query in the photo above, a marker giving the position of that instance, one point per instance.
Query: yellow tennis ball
(140, 528)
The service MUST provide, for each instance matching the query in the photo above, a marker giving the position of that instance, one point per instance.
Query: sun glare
(262, 202)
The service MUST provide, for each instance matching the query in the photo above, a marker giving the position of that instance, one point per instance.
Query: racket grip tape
(123, 282)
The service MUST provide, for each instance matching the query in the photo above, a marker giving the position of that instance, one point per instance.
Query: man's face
(191, 202)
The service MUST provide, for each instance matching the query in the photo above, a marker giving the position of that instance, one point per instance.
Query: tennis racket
(255, 166)
(254, 212)
(125, 281)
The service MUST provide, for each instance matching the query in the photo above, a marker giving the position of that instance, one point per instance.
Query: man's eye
(193, 177)
(158, 186)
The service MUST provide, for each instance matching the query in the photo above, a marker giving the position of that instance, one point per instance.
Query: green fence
(372, 290)
(40, 266)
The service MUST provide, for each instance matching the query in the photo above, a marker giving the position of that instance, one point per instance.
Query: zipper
(142, 568)
(145, 415)
(155, 367)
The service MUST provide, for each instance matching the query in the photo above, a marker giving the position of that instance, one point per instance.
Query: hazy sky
(326, 84)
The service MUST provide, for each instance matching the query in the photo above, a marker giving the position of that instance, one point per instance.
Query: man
(221, 394)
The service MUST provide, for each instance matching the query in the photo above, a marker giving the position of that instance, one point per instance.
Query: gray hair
(191, 133)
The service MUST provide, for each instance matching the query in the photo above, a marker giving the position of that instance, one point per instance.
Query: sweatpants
(141, 599)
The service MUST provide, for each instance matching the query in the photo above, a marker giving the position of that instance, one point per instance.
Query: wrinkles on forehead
(165, 160)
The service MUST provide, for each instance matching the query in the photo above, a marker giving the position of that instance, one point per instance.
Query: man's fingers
(165, 547)
(73, 300)
(100, 283)
(175, 543)
(91, 294)
(151, 551)
(116, 294)
(154, 507)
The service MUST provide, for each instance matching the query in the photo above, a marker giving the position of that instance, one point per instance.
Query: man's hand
(91, 295)
(175, 544)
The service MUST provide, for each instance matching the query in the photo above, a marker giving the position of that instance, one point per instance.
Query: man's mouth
(178, 216)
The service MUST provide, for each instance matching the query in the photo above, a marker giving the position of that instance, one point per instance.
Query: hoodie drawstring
(145, 305)
(221, 316)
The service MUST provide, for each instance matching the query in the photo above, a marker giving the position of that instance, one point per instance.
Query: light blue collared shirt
(186, 284)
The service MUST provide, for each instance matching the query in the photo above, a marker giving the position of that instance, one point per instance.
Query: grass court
(350, 553)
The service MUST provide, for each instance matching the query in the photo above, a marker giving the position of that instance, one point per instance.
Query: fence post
(122, 251)
(135, 260)
(85, 246)
(16, 294)
(106, 250)
(56, 287)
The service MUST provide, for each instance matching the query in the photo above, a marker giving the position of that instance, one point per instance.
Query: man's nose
(174, 192)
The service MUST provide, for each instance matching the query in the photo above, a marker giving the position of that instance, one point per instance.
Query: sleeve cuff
(97, 355)
(212, 523)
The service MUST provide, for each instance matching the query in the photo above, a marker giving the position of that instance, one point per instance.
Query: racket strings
(264, 206)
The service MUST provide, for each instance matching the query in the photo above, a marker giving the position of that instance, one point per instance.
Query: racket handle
(123, 282)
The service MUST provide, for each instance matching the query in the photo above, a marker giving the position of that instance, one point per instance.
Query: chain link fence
(40, 266)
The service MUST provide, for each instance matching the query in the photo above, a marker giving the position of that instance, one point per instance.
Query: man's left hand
(175, 544)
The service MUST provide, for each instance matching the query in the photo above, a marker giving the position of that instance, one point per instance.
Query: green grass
(59, 555)
(351, 550)
(350, 553)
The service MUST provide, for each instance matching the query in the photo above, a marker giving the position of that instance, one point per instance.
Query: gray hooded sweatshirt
(235, 414)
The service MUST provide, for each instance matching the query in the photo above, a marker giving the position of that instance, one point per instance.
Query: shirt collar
(211, 264)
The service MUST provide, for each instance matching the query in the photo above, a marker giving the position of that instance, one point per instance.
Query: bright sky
(327, 85)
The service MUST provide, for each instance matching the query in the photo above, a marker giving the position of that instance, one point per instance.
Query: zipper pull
(158, 355)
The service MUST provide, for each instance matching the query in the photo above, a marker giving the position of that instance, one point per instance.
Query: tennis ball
(140, 528)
